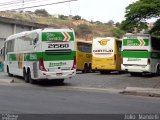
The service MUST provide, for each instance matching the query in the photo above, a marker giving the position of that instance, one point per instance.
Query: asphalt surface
(97, 80)
(31, 99)
(89, 96)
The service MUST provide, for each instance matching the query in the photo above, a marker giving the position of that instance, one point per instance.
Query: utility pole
(22, 5)
(69, 4)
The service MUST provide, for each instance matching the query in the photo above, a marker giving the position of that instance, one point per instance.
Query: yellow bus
(106, 54)
(84, 55)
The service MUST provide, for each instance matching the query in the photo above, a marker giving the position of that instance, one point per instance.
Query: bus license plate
(59, 74)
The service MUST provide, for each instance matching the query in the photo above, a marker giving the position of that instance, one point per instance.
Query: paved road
(75, 95)
(115, 80)
(25, 98)
(97, 80)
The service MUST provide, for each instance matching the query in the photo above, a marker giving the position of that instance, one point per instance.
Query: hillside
(84, 29)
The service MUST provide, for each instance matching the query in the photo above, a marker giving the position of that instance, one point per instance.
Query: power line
(41, 5)
(16, 2)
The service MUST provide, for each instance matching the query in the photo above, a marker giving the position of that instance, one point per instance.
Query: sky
(95, 10)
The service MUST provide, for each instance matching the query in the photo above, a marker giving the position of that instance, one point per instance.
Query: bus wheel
(90, 68)
(158, 70)
(85, 69)
(9, 74)
(25, 76)
(29, 78)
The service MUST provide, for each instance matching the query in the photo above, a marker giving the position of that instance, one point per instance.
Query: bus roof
(83, 41)
(137, 34)
(108, 38)
(38, 30)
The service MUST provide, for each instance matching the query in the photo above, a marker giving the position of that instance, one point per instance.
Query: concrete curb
(6, 80)
(151, 92)
(92, 89)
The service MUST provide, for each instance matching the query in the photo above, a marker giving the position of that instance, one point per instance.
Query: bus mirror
(35, 41)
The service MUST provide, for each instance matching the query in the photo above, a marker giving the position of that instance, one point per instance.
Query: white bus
(141, 54)
(106, 54)
(46, 53)
(2, 54)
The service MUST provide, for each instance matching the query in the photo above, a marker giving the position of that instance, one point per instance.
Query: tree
(41, 12)
(110, 22)
(117, 24)
(98, 23)
(83, 30)
(77, 17)
(118, 33)
(138, 12)
(63, 17)
(156, 29)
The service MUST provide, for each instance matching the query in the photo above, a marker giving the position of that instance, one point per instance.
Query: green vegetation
(140, 11)
(41, 12)
(136, 15)
(84, 29)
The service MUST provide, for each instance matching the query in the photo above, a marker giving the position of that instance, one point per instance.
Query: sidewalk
(152, 92)
(114, 83)
(5, 79)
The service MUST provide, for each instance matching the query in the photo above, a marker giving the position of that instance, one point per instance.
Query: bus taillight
(115, 58)
(149, 61)
(121, 60)
(74, 63)
(41, 64)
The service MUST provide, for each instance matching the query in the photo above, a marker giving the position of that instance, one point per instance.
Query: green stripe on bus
(140, 54)
(36, 56)
(136, 54)
(57, 36)
(135, 42)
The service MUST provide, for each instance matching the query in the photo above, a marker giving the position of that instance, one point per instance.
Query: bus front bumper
(138, 69)
(57, 75)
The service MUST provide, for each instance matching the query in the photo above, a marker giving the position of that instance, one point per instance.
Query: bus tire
(25, 76)
(30, 78)
(9, 74)
(85, 68)
(90, 67)
(158, 70)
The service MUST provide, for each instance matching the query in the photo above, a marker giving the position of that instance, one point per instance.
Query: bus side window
(119, 45)
(35, 41)
(35, 38)
(10, 46)
(155, 42)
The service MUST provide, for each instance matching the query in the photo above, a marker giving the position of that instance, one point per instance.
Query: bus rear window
(83, 47)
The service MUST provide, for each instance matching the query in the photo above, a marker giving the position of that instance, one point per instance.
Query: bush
(41, 12)
(83, 30)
